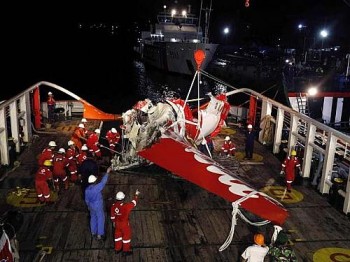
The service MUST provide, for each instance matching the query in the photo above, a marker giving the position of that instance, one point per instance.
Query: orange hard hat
(259, 239)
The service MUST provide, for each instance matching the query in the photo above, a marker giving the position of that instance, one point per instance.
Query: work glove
(137, 192)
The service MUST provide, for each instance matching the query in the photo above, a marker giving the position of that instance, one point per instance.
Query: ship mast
(206, 22)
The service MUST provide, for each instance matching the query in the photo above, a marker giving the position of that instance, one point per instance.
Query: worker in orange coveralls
(112, 137)
(47, 153)
(43, 174)
(93, 144)
(289, 166)
(228, 148)
(120, 212)
(72, 155)
(60, 163)
(78, 136)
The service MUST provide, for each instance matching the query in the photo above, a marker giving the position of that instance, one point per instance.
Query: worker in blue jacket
(94, 201)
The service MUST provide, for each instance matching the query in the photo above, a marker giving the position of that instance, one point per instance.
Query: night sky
(41, 33)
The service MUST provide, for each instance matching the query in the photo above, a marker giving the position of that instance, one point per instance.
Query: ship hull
(176, 57)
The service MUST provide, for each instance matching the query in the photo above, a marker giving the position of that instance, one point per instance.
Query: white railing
(16, 117)
(313, 135)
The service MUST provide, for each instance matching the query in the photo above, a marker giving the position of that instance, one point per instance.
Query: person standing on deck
(60, 163)
(93, 144)
(88, 167)
(82, 155)
(47, 153)
(280, 251)
(112, 137)
(51, 104)
(120, 212)
(72, 155)
(42, 176)
(78, 136)
(249, 142)
(289, 167)
(95, 204)
(87, 132)
(257, 251)
(228, 148)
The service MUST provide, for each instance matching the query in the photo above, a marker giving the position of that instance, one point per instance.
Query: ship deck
(174, 219)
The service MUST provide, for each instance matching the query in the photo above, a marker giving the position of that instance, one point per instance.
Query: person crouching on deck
(228, 148)
(95, 204)
(289, 167)
(42, 176)
(120, 212)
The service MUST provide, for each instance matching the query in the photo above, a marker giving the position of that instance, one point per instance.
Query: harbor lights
(323, 34)
(226, 32)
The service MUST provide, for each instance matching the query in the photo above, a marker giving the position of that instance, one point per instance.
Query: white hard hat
(250, 126)
(120, 195)
(49, 93)
(62, 150)
(114, 130)
(97, 131)
(92, 179)
(84, 147)
(52, 143)
(227, 138)
(70, 143)
(83, 120)
(81, 126)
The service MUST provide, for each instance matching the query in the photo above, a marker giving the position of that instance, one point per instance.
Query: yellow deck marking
(227, 131)
(48, 249)
(256, 157)
(26, 197)
(332, 254)
(279, 193)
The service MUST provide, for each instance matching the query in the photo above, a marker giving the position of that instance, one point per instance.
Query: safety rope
(235, 211)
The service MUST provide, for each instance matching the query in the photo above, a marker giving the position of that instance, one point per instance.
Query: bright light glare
(324, 33)
(312, 91)
(226, 30)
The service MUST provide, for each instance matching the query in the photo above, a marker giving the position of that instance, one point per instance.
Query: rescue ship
(190, 201)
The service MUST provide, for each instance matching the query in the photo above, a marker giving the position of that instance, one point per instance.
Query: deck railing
(18, 114)
(315, 137)
(16, 117)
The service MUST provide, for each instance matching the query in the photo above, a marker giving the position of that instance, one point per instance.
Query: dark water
(99, 68)
(103, 70)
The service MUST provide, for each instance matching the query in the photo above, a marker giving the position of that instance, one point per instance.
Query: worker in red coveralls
(71, 155)
(93, 144)
(43, 174)
(112, 137)
(228, 148)
(78, 136)
(60, 163)
(51, 104)
(47, 153)
(289, 167)
(82, 155)
(120, 212)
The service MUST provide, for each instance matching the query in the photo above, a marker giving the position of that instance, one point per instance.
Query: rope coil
(235, 211)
